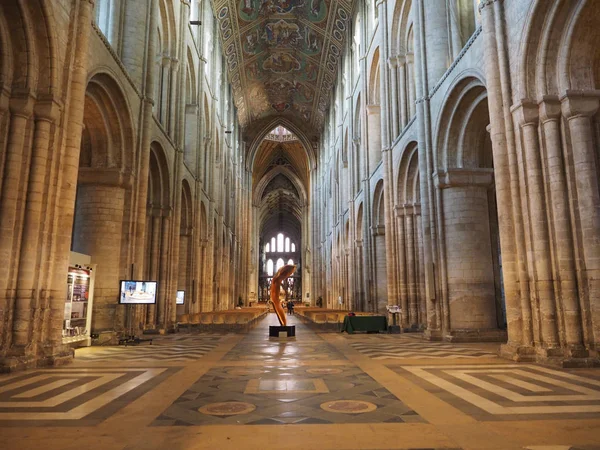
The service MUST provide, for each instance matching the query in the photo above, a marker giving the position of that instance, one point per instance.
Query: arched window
(290, 261)
(270, 267)
(267, 248)
(280, 242)
(293, 248)
(273, 245)
(287, 244)
(279, 265)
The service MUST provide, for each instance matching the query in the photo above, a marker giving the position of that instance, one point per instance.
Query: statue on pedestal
(283, 273)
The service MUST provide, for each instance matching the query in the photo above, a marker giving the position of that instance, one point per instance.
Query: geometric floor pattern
(410, 348)
(288, 395)
(319, 391)
(65, 396)
(512, 391)
(161, 350)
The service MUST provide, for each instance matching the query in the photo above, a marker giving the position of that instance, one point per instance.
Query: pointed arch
(257, 139)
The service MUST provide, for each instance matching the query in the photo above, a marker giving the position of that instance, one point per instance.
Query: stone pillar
(514, 272)
(67, 180)
(437, 55)
(526, 115)
(410, 86)
(13, 184)
(411, 272)
(471, 293)
(173, 99)
(97, 232)
(28, 292)
(550, 116)
(393, 67)
(154, 263)
(579, 109)
(403, 88)
(165, 88)
(421, 269)
(402, 282)
(163, 274)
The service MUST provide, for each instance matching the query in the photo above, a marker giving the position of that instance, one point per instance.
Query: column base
(489, 335)
(574, 357)
(518, 353)
(48, 357)
(432, 335)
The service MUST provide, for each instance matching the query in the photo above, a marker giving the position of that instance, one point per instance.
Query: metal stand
(394, 329)
(131, 338)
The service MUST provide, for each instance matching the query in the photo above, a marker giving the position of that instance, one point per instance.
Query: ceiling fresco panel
(282, 55)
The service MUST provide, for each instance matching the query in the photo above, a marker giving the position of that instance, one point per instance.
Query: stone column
(514, 273)
(550, 115)
(411, 272)
(165, 88)
(410, 86)
(68, 172)
(163, 273)
(471, 293)
(403, 87)
(28, 283)
(154, 263)
(579, 109)
(421, 269)
(97, 232)
(393, 67)
(13, 184)
(527, 117)
(402, 283)
(437, 55)
(173, 99)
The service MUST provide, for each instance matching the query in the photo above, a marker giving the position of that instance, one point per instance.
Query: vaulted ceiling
(282, 56)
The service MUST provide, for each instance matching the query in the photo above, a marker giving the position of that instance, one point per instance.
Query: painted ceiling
(282, 55)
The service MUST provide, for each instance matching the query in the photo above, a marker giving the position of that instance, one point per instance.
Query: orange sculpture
(281, 275)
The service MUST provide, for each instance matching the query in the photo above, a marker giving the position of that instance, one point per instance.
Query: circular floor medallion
(324, 371)
(348, 406)
(227, 408)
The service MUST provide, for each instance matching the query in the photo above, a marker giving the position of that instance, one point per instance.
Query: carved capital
(47, 109)
(525, 113)
(580, 103)
(550, 108)
(22, 103)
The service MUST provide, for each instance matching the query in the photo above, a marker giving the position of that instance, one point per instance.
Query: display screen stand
(131, 338)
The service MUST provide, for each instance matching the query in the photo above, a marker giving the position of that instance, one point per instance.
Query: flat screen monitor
(180, 298)
(135, 292)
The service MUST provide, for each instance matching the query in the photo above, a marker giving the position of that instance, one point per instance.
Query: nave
(322, 390)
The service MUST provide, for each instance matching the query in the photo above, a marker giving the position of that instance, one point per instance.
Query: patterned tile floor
(319, 391)
(175, 348)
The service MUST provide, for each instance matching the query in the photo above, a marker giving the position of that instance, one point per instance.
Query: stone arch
(103, 201)
(374, 79)
(466, 102)
(559, 84)
(409, 238)
(108, 127)
(270, 175)
(400, 26)
(408, 175)
(257, 139)
(27, 44)
(465, 178)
